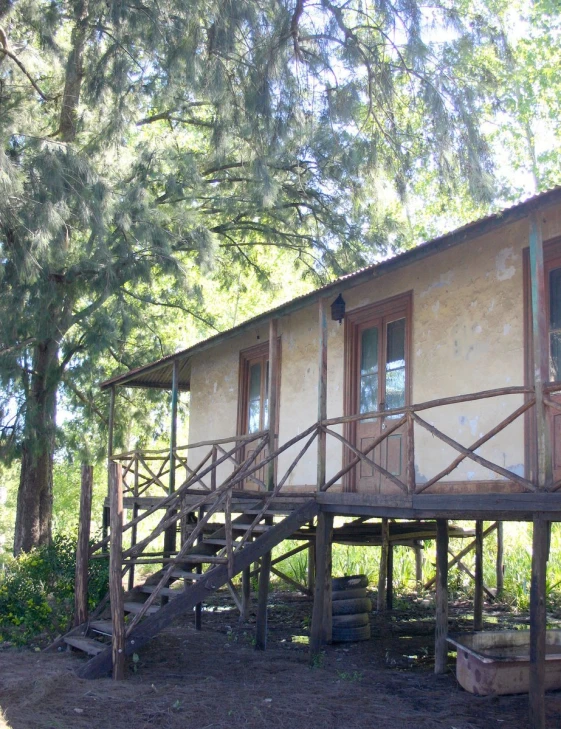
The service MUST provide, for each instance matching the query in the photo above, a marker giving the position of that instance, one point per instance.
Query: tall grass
(349, 560)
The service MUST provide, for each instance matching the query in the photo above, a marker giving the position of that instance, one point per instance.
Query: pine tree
(149, 141)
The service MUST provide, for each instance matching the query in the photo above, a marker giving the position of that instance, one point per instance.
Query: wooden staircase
(225, 551)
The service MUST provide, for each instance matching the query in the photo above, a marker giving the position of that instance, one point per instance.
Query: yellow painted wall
(467, 336)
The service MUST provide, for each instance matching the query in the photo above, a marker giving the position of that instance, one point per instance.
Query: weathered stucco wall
(467, 336)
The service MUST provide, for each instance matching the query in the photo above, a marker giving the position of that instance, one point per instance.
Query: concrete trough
(498, 661)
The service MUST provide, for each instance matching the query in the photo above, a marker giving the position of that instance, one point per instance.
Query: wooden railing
(229, 466)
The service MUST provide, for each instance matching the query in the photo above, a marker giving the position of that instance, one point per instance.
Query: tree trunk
(35, 494)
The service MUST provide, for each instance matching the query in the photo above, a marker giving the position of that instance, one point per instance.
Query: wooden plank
(418, 565)
(83, 547)
(538, 622)
(321, 629)
(441, 627)
(105, 627)
(383, 570)
(290, 581)
(410, 455)
(246, 595)
(136, 607)
(115, 573)
(478, 587)
(322, 391)
(272, 394)
(87, 645)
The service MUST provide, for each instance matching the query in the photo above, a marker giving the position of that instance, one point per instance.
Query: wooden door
(253, 415)
(379, 381)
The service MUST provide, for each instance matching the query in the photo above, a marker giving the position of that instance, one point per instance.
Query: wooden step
(184, 575)
(217, 541)
(167, 591)
(136, 607)
(201, 558)
(257, 529)
(105, 627)
(87, 645)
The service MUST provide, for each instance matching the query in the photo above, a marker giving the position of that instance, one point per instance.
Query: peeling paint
(504, 270)
(506, 329)
(444, 280)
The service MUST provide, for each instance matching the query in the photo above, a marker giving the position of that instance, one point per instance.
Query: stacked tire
(350, 608)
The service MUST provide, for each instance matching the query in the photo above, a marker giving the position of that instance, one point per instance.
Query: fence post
(83, 547)
(116, 570)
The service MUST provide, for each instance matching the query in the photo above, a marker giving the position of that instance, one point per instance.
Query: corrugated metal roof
(158, 374)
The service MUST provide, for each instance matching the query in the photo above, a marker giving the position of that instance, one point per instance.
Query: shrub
(37, 591)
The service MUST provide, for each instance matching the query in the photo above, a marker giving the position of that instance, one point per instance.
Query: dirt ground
(214, 679)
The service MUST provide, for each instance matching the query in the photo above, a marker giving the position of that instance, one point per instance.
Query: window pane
(395, 365)
(555, 299)
(266, 401)
(368, 393)
(555, 357)
(254, 405)
(369, 351)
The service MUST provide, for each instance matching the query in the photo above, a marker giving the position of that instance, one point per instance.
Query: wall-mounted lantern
(338, 309)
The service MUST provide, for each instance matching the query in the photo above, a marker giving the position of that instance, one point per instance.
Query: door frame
(395, 305)
(551, 257)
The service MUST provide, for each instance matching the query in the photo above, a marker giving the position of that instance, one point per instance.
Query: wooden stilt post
(311, 563)
(538, 625)
(110, 440)
(500, 564)
(320, 633)
(115, 571)
(199, 571)
(322, 393)
(540, 336)
(134, 528)
(246, 595)
(418, 566)
(265, 572)
(389, 580)
(441, 629)
(170, 537)
(478, 587)
(383, 572)
(83, 547)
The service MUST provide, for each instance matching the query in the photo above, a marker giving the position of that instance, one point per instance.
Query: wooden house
(423, 386)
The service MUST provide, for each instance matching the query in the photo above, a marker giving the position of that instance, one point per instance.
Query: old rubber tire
(350, 635)
(350, 582)
(351, 607)
(349, 594)
(350, 621)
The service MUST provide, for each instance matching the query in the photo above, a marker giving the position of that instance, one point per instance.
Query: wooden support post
(311, 563)
(389, 581)
(441, 628)
(478, 587)
(134, 528)
(543, 477)
(262, 599)
(214, 458)
(170, 537)
(383, 571)
(540, 549)
(246, 595)
(418, 566)
(321, 629)
(110, 439)
(410, 455)
(540, 336)
(500, 565)
(116, 570)
(199, 571)
(322, 393)
(83, 547)
(265, 571)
